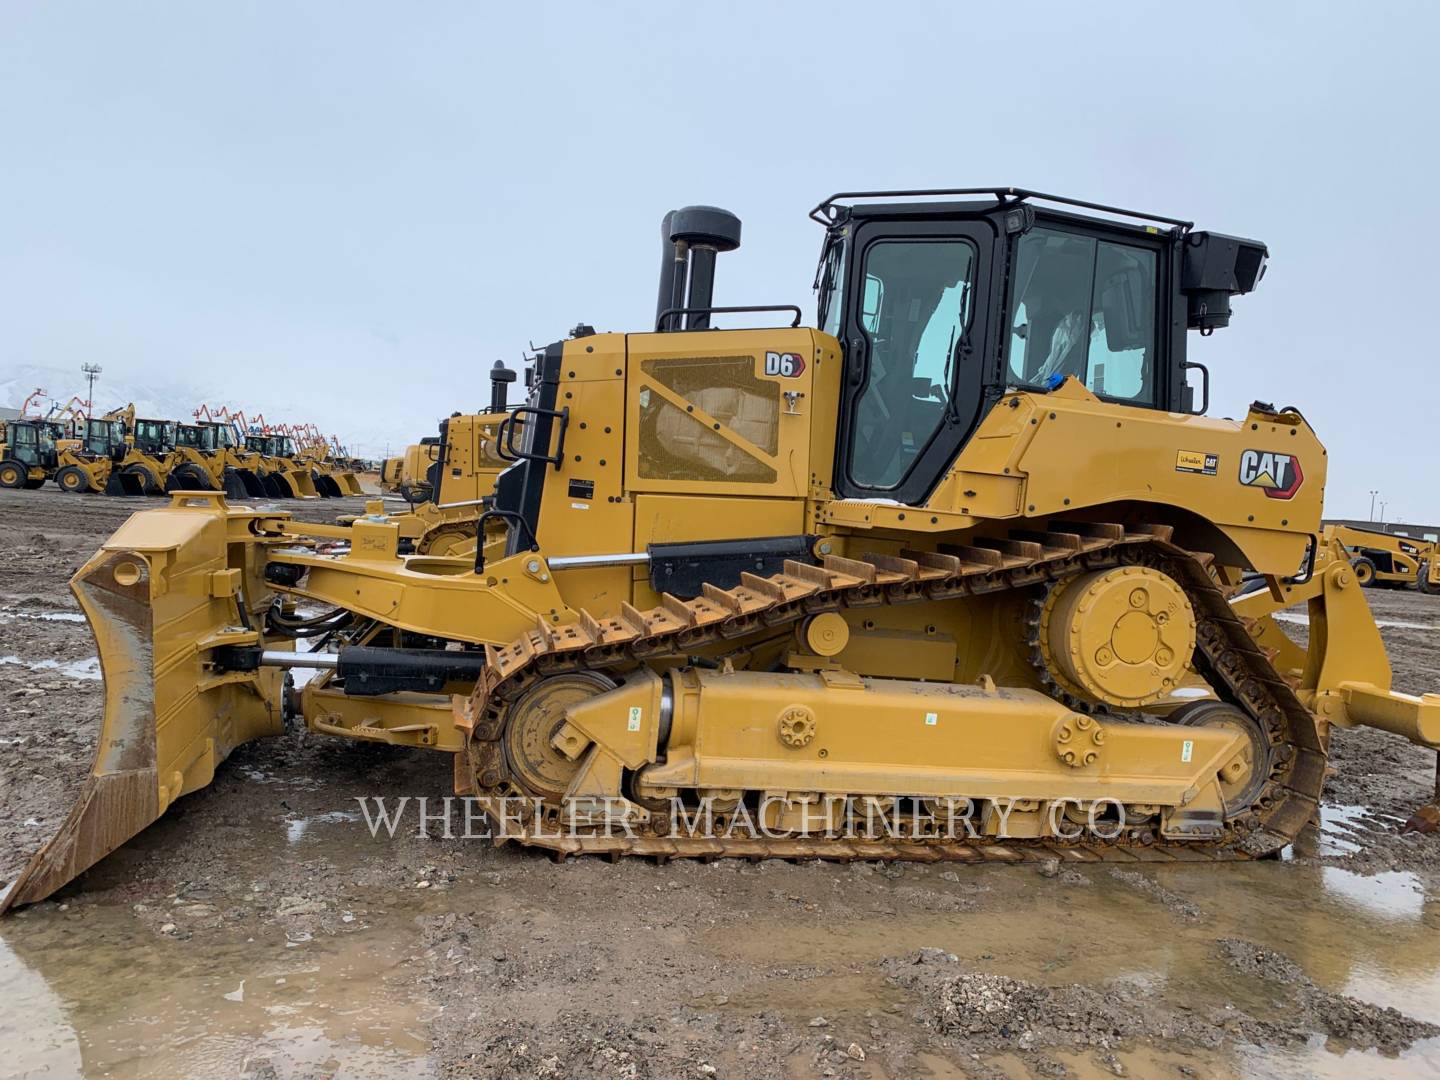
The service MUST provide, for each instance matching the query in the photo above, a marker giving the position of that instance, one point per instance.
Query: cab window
(914, 313)
(1084, 307)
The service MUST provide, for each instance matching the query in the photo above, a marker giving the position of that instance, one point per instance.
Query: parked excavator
(947, 576)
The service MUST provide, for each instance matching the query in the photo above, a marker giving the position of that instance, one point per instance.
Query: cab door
(914, 330)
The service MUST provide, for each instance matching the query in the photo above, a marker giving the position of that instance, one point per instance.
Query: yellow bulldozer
(461, 480)
(408, 475)
(1387, 559)
(952, 574)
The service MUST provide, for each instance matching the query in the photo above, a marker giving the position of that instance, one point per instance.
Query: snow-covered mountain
(171, 397)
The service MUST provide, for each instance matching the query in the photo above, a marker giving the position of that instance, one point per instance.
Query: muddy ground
(258, 929)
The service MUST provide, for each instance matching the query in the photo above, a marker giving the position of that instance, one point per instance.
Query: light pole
(90, 371)
(1372, 504)
(1382, 513)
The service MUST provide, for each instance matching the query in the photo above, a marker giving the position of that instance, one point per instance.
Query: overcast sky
(350, 210)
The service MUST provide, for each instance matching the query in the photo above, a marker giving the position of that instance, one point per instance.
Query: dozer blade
(160, 597)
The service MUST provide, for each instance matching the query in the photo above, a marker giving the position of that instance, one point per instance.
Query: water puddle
(87, 670)
(101, 1000)
(1373, 938)
(296, 828)
(1395, 894)
(345, 993)
(1337, 824)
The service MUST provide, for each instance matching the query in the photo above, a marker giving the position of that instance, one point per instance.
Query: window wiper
(952, 373)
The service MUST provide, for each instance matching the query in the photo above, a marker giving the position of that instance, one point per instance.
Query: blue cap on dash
(1054, 381)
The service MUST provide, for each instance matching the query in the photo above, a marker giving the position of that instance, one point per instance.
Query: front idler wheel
(533, 763)
(1243, 777)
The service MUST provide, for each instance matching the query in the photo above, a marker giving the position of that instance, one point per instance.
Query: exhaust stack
(500, 379)
(690, 238)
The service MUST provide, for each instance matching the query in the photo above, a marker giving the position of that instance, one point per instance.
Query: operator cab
(218, 436)
(191, 436)
(104, 437)
(155, 436)
(941, 307)
(32, 442)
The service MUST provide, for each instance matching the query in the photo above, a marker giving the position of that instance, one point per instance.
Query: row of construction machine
(953, 573)
(334, 475)
(121, 453)
(1389, 560)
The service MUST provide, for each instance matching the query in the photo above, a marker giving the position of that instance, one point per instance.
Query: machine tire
(13, 474)
(147, 480)
(189, 477)
(1422, 578)
(72, 480)
(1364, 571)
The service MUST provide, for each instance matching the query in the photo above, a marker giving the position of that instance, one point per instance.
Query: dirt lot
(259, 929)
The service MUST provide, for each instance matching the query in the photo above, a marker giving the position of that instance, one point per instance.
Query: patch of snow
(87, 669)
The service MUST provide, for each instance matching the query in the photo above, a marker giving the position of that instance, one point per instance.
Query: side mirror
(1127, 299)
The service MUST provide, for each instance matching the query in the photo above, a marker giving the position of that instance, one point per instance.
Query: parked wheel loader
(92, 463)
(27, 452)
(947, 575)
(145, 467)
(332, 479)
(1385, 559)
(205, 461)
(281, 473)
